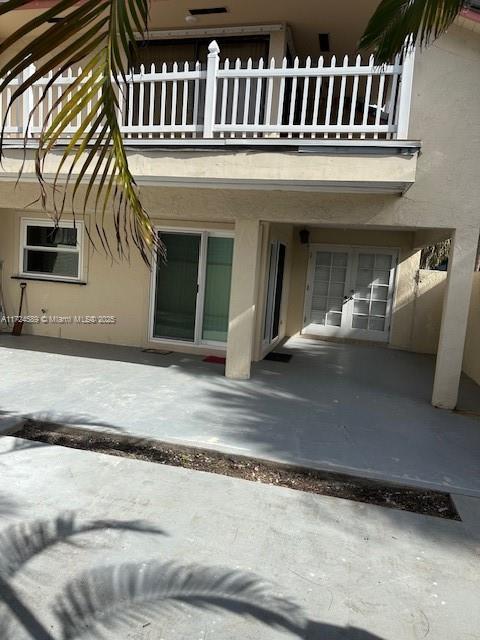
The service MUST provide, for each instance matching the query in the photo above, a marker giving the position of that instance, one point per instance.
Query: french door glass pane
(371, 291)
(328, 288)
(176, 287)
(217, 289)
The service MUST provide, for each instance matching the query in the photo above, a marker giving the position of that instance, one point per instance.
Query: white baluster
(306, 82)
(281, 95)
(353, 106)
(163, 100)
(246, 103)
(258, 97)
(184, 100)
(268, 110)
(28, 102)
(151, 104)
(318, 91)
(379, 107)
(223, 108)
(293, 98)
(331, 81)
(173, 110)
(196, 97)
(141, 100)
(238, 65)
(368, 91)
(341, 101)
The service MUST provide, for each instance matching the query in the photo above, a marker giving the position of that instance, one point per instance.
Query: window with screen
(51, 251)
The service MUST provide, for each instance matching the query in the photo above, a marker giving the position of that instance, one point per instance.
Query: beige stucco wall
(471, 355)
(429, 297)
(427, 301)
(116, 288)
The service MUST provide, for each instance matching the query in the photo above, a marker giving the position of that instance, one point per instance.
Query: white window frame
(204, 234)
(38, 222)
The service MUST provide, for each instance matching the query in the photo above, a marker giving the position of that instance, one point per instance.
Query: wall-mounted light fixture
(304, 236)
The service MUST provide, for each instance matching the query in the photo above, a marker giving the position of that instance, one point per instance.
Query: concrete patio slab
(354, 571)
(352, 408)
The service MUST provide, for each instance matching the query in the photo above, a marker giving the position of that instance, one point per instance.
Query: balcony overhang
(343, 166)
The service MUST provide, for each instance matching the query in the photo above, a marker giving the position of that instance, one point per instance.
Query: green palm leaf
(417, 21)
(99, 36)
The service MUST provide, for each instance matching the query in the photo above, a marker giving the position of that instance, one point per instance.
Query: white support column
(241, 326)
(211, 89)
(28, 103)
(454, 318)
(405, 95)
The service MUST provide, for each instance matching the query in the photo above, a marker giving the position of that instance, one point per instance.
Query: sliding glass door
(192, 287)
(176, 287)
(217, 289)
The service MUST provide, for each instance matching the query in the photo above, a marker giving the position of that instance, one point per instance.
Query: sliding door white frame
(204, 234)
(272, 274)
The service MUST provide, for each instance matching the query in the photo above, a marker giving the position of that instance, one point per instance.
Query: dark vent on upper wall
(207, 11)
(324, 41)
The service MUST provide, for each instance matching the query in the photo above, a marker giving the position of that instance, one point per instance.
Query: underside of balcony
(341, 166)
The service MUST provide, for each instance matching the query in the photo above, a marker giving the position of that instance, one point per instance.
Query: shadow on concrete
(350, 408)
(98, 351)
(10, 422)
(115, 598)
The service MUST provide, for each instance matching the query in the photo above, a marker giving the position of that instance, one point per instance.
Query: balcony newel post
(27, 101)
(211, 89)
(405, 95)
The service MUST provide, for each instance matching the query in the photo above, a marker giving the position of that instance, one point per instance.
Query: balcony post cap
(213, 48)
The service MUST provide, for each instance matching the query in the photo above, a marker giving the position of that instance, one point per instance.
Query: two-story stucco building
(293, 184)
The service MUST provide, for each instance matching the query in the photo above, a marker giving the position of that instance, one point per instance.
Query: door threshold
(341, 340)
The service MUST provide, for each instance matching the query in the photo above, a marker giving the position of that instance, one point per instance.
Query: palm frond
(111, 598)
(396, 22)
(99, 35)
(21, 542)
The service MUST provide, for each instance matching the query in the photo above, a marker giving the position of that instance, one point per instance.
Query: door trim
(341, 332)
(268, 316)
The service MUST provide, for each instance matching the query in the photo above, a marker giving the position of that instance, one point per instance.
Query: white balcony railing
(356, 100)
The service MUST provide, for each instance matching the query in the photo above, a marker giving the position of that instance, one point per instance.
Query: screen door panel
(372, 288)
(329, 279)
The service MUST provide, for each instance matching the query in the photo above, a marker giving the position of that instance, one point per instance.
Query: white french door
(349, 292)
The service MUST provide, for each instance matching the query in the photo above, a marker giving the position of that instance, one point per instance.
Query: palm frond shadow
(21, 542)
(117, 596)
(112, 599)
(7, 507)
